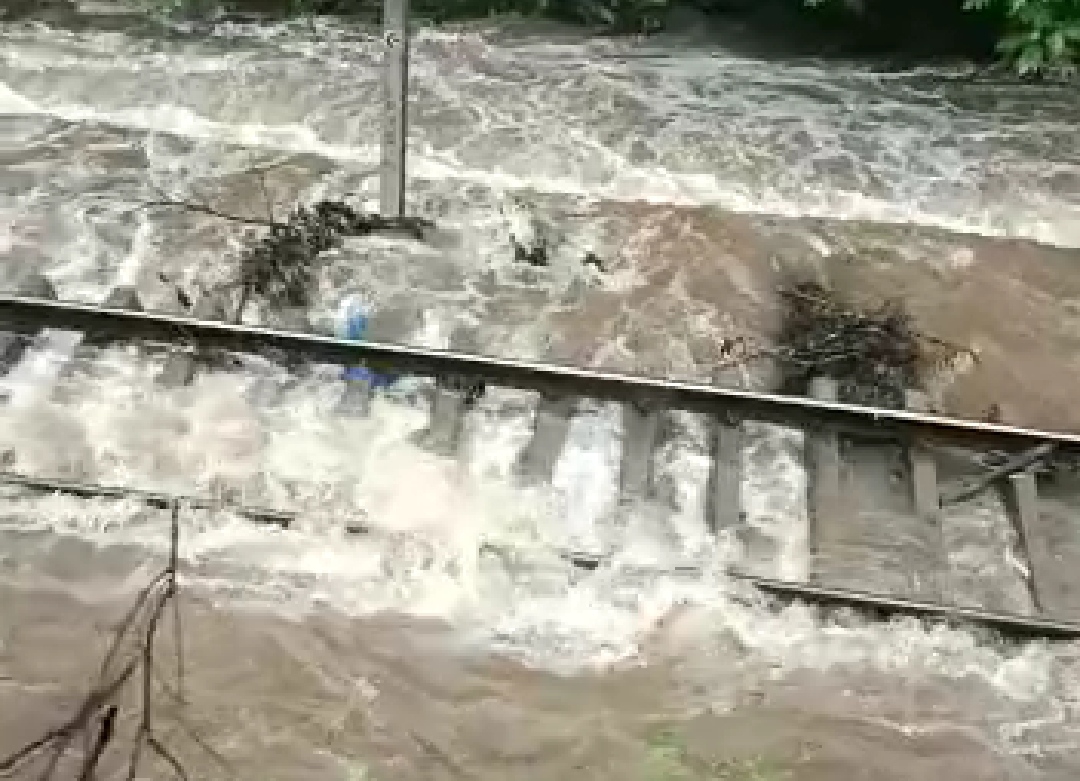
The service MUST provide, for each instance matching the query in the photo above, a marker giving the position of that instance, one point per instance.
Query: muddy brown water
(323, 697)
(701, 179)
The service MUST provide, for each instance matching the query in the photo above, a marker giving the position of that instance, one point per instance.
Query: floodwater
(453, 642)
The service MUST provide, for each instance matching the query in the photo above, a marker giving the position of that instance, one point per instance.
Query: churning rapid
(454, 641)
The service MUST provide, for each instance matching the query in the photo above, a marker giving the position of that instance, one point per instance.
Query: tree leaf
(1031, 60)
(1056, 45)
(1010, 44)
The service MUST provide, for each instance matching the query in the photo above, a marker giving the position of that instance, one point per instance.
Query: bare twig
(212, 212)
(826, 305)
(105, 733)
(159, 748)
(95, 719)
(62, 736)
(1016, 463)
(128, 621)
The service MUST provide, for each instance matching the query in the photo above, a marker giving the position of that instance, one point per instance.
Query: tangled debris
(874, 355)
(538, 247)
(538, 255)
(281, 269)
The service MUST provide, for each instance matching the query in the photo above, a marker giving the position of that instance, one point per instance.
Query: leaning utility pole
(395, 107)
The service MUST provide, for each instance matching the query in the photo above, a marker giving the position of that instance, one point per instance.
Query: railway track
(876, 604)
(844, 444)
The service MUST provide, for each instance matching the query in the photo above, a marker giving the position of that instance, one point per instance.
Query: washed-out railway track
(835, 432)
(908, 458)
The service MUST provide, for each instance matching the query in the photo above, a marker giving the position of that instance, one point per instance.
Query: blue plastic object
(356, 323)
(374, 379)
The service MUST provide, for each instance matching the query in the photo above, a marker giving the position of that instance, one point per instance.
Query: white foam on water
(39, 367)
(774, 495)
(459, 541)
(12, 102)
(686, 128)
(544, 614)
(37, 372)
(450, 542)
(587, 473)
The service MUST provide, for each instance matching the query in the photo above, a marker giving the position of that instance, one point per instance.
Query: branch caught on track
(280, 268)
(875, 354)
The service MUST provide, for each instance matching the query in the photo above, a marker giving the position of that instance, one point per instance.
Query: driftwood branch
(199, 208)
(130, 658)
(821, 302)
(1015, 464)
(876, 354)
(105, 733)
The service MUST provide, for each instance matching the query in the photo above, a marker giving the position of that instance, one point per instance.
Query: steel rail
(29, 315)
(262, 515)
(1007, 624)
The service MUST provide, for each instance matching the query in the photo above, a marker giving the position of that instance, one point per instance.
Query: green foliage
(621, 15)
(1038, 36)
(668, 760)
(1041, 35)
(664, 759)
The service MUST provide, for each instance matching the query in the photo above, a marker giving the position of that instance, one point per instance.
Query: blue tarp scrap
(354, 330)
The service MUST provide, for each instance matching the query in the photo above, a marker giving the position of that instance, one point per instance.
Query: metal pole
(395, 107)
